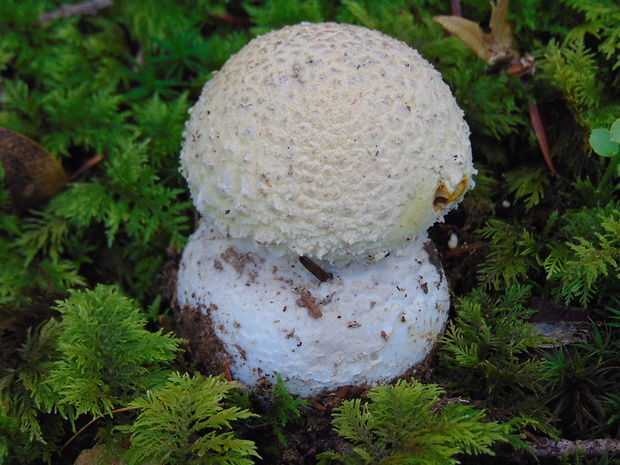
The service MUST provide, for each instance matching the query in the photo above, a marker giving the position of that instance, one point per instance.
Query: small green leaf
(601, 142)
(614, 134)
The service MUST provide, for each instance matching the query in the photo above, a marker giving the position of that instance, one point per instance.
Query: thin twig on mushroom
(315, 269)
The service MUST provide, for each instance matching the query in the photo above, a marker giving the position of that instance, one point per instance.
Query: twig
(231, 19)
(596, 447)
(89, 164)
(463, 249)
(91, 7)
(456, 8)
(124, 409)
(315, 269)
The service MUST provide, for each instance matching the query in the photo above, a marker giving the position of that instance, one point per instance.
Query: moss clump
(107, 95)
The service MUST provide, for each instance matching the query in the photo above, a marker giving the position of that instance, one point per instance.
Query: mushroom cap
(376, 322)
(327, 140)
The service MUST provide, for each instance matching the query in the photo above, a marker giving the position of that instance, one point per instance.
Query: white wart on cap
(327, 140)
(262, 314)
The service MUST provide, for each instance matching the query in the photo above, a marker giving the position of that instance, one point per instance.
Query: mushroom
(340, 145)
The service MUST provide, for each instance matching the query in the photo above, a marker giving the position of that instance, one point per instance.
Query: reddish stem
(456, 8)
(231, 19)
(89, 164)
(462, 249)
(541, 135)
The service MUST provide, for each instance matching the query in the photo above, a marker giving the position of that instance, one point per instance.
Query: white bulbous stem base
(263, 314)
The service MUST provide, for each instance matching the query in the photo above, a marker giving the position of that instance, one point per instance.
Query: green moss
(184, 421)
(107, 94)
(405, 424)
(485, 350)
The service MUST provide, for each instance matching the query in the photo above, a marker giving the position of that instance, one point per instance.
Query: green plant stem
(611, 169)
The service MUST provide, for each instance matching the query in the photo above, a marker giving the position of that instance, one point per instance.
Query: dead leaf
(468, 32)
(496, 47)
(501, 29)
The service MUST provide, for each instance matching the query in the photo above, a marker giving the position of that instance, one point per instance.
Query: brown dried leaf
(501, 29)
(468, 32)
(32, 174)
(495, 47)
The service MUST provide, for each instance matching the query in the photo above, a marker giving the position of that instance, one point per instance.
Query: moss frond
(484, 348)
(404, 424)
(106, 352)
(185, 421)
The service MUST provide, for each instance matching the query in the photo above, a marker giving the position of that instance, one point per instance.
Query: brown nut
(32, 174)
